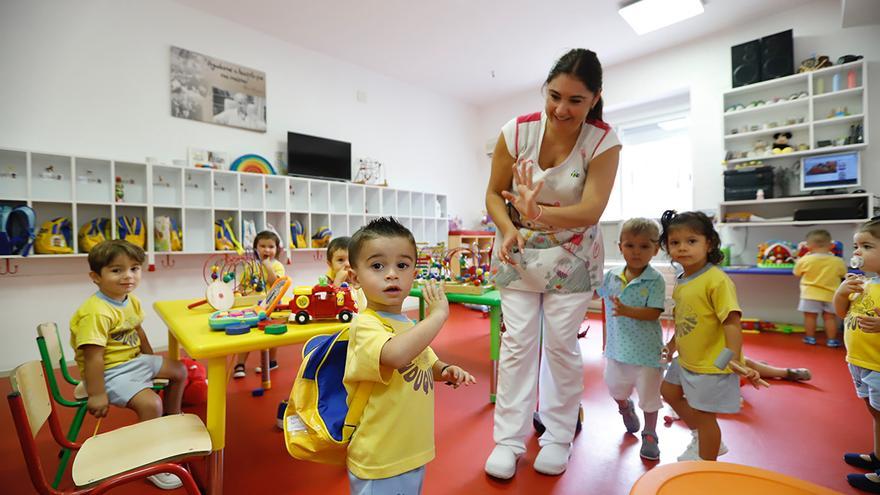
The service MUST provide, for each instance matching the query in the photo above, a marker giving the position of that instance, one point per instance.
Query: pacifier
(856, 262)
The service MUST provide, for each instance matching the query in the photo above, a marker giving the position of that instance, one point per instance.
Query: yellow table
(188, 328)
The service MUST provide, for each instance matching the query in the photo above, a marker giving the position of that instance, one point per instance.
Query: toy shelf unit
(84, 188)
(824, 111)
(799, 210)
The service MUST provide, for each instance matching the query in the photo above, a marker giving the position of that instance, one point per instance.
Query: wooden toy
(238, 329)
(472, 277)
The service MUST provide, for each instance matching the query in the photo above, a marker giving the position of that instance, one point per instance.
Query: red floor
(797, 429)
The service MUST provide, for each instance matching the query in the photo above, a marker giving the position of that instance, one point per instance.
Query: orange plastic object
(721, 478)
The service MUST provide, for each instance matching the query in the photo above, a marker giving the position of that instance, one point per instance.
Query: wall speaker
(745, 63)
(777, 55)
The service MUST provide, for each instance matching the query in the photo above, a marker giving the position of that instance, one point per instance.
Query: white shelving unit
(779, 212)
(807, 105)
(83, 188)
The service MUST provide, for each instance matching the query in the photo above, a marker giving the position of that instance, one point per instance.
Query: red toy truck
(322, 302)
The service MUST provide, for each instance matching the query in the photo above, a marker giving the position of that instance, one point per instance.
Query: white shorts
(813, 306)
(621, 378)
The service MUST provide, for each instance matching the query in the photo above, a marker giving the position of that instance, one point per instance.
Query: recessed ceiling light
(645, 16)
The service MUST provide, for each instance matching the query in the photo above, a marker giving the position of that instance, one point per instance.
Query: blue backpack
(17, 229)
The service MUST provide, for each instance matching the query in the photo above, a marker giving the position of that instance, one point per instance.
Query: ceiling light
(645, 16)
(674, 124)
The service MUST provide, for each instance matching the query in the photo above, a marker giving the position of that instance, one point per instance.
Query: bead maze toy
(232, 280)
(776, 254)
(473, 274)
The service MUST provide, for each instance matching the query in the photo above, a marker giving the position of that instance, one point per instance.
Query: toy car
(322, 301)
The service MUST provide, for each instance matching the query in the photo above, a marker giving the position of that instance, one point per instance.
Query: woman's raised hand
(526, 198)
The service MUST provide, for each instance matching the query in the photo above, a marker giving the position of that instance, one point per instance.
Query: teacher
(552, 174)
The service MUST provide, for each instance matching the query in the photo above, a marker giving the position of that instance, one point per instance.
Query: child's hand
(341, 276)
(619, 309)
(435, 298)
(666, 354)
(98, 405)
(870, 324)
(749, 374)
(456, 376)
(852, 284)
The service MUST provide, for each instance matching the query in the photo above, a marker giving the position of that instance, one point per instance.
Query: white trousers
(561, 367)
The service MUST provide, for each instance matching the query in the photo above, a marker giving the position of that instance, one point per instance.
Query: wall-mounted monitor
(313, 156)
(832, 171)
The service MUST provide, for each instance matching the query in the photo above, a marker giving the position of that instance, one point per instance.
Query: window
(655, 163)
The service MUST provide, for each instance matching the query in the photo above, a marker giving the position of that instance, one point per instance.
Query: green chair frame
(52, 353)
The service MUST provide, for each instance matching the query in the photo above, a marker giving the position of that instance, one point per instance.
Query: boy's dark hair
(336, 244)
(268, 234)
(699, 223)
(380, 227)
(819, 235)
(105, 252)
(872, 227)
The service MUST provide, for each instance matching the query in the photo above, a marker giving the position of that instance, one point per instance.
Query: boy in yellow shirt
(821, 273)
(113, 354)
(395, 438)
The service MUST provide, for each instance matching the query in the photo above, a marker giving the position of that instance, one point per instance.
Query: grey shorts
(814, 306)
(706, 392)
(867, 384)
(124, 381)
(408, 483)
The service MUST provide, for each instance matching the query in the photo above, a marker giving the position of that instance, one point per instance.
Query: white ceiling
(454, 47)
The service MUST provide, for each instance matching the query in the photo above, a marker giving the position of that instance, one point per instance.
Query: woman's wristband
(444, 369)
(540, 212)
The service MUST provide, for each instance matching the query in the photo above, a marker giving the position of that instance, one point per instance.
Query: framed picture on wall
(211, 90)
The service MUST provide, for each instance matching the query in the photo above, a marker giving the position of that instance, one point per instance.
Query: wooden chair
(720, 478)
(110, 459)
(52, 354)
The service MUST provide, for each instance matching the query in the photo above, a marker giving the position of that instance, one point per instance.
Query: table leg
(494, 349)
(267, 375)
(173, 347)
(216, 422)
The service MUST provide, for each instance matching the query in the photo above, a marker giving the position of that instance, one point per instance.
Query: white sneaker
(165, 481)
(553, 459)
(692, 452)
(501, 463)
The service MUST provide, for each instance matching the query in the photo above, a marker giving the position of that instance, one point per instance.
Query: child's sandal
(798, 374)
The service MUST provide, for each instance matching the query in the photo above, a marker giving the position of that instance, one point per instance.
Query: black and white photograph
(207, 89)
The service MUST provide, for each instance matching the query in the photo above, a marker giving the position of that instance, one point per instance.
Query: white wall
(703, 68)
(91, 78)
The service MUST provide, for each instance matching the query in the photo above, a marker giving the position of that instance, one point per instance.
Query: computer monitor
(832, 171)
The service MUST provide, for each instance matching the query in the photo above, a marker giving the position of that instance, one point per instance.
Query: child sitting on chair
(114, 357)
(267, 247)
(821, 273)
(395, 438)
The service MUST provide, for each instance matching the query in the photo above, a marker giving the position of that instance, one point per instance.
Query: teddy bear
(780, 143)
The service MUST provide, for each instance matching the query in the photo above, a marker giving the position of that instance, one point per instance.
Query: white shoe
(692, 452)
(165, 481)
(501, 463)
(553, 459)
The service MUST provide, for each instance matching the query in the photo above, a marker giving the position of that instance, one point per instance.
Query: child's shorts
(867, 384)
(814, 306)
(622, 377)
(715, 393)
(408, 483)
(124, 381)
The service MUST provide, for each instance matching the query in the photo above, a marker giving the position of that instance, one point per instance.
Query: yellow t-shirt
(109, 324)
(863, 349)
(820, 274)
(702, 303)
(396, 432)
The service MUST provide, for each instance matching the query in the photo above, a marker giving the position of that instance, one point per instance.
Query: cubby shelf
(84, 188)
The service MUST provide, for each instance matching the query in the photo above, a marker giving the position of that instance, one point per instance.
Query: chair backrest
(28, 380)
(49, 332)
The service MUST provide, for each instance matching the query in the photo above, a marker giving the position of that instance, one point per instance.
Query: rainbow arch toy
(254, 164)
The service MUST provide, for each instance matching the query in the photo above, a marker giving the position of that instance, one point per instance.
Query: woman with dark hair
(552, 174)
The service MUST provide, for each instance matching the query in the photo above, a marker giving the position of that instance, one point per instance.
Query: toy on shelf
(297, 235)
(486, 223)
(776, 254)
(322, 237)
(254, 164)
(321, 301)
(836, 249)
(370, 172)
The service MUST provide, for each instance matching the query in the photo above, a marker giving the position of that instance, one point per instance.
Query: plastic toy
(222, 320)
(297, 235)
(322, 237)
(321, 301)
(750, 325)
(232, 281)
(836, 249)
(254, 164)
(472, 277)
(776, 254)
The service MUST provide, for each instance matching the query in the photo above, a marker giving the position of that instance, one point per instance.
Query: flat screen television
(830, 171)
(313, 156)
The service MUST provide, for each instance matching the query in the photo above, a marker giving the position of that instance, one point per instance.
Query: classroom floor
(797, 429)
